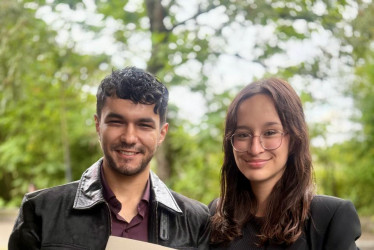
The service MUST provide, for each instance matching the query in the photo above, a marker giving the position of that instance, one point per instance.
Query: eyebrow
(118, 116)
(267, 124)
(147, 120)
(114, 115)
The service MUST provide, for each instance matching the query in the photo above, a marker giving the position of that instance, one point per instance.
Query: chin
(130, 171)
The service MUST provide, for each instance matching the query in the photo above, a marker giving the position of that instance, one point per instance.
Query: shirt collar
(108, 193)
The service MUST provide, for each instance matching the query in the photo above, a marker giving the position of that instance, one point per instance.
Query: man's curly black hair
(134, 84)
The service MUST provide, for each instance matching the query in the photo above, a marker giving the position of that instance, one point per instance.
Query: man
(118, 195)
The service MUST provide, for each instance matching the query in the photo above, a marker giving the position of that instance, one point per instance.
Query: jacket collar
(162, 193)
(89, 192)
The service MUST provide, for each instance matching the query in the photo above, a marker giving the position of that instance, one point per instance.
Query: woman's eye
(270, 133)
(242, 135)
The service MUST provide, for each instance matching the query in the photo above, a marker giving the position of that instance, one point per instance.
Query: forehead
(257, 110)
(128, 109)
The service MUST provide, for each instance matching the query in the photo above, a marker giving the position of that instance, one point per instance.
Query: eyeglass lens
(242, 142)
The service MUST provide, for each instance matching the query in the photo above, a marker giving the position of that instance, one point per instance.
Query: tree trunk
(156, 14)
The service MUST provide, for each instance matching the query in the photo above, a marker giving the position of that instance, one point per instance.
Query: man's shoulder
(67, 189)
(89, 176)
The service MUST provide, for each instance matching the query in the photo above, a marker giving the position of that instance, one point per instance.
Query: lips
(127, 153)
(257, 163)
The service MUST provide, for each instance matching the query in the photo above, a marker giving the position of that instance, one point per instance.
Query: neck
(262, 193)
(126, 188)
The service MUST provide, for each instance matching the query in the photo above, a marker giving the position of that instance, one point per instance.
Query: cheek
(283, 153)
(237, 159)
(282, 160)
(149, 140)
(109, 134)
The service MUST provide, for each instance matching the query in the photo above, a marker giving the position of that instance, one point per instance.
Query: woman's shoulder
(334, 223)
(329, 205)
(327, 198)
(325, 208)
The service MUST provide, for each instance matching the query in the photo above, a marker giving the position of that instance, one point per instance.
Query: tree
(187, 43)
(42, 114)
(353, 159)
(359, 165)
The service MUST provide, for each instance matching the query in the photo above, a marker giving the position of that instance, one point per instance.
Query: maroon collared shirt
(137, 228)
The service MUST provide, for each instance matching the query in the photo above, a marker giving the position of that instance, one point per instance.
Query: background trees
(359, 152)
(54, 56)
(44, 122)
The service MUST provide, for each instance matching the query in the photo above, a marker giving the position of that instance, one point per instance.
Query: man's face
(129, 134)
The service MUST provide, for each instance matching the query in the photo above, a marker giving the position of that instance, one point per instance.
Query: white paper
(119, 243)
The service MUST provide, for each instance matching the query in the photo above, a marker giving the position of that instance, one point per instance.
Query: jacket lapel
(89, 190)
(162, 194)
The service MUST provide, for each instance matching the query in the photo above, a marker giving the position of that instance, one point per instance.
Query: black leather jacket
(76, 216)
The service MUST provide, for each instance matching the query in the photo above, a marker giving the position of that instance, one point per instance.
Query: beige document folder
(119, 243)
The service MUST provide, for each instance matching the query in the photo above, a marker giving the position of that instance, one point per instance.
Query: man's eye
(145, 125)
(114, 122)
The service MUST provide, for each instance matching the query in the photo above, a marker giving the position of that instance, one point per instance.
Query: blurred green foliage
(45, 117)
(47, 102)
(346, 169)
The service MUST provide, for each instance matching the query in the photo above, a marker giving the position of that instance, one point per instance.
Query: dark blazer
(333, 225)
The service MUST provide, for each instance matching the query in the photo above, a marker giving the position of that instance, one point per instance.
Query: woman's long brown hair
(288, 204)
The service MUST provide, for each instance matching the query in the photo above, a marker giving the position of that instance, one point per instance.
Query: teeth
(127, 153)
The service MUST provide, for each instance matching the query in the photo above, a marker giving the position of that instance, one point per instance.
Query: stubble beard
(124, 167)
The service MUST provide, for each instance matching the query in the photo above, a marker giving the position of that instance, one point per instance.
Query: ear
(97, 124)
(163, 132)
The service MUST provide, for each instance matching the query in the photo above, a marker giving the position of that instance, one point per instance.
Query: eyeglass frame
(253, 136)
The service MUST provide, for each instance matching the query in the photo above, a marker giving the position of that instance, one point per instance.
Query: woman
(267, 193)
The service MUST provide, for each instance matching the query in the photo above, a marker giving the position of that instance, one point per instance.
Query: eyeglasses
(269, 140)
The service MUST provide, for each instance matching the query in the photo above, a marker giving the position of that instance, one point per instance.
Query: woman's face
(257, 116)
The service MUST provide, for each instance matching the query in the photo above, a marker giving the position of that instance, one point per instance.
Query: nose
(128, 135)
(255, 147)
